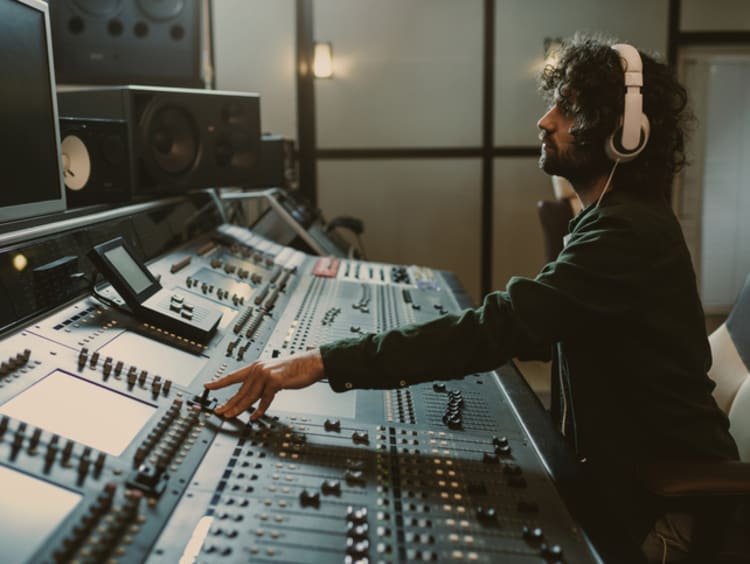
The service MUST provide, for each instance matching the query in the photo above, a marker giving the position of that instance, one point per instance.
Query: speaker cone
(76, 162)
(161, 10)
(172, 140)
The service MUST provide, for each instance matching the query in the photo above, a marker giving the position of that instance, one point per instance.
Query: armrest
(697, 478)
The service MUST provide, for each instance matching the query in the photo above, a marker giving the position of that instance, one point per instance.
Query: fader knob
(309, 499)
(360, 437)
(331, 487)
(332, 426)
(34, 441)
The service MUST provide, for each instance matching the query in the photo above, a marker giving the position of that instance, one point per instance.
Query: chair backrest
(554, 216)
(730, 348)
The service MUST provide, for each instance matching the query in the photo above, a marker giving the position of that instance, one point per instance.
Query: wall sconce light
(323, 60)
(552, 47)
(20, 262)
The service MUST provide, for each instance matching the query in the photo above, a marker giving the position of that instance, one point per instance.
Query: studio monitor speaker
(127, 41)
(95, 159)
(180, 139)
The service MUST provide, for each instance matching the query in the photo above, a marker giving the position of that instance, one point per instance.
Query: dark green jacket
(621, 309)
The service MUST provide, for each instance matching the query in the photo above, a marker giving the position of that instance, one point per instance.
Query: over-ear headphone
(630, 138)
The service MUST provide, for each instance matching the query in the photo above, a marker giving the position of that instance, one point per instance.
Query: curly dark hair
(588, 82)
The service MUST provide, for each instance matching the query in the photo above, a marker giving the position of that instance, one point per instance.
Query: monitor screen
(29, 144)
(129, 269)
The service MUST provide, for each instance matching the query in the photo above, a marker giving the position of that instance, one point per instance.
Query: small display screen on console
(128, 269)
(80, 410)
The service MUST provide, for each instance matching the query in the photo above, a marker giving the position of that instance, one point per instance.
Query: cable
(95, 293)
(609, 181)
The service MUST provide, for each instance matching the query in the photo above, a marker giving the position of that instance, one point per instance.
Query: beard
(576, 162)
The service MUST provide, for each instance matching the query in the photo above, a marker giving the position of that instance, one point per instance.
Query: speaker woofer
(161, 10)
(171, 140)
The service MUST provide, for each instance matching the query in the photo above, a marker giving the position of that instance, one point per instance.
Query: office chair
(712, 491)
(554, 216)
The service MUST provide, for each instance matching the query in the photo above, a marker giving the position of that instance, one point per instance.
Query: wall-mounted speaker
(127, 41)
(95, 160)
(180, 139)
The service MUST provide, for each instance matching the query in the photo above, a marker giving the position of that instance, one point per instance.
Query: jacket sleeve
(587, 280)
(448, 347)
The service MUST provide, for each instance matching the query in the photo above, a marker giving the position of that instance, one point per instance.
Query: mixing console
(110, 450)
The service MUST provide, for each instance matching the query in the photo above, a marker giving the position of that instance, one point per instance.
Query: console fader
(110, 448)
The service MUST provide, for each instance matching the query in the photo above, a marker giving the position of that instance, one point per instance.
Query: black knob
(360, 437)
(554, 551)
(309, 499)
(499, 441)
(533, 534)
(357, 532)
(504, 450)
(486, 514)
(333, 426)
(357, 549)
(357, 516)
(331, 487)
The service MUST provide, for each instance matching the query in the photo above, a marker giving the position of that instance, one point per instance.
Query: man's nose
(546, 121)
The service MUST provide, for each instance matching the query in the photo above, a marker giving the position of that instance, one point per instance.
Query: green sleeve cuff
(338, 360)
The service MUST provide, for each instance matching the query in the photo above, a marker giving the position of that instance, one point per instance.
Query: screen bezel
(116, 279)
(20, 211)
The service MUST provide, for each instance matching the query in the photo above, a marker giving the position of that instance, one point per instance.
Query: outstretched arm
(263, 378)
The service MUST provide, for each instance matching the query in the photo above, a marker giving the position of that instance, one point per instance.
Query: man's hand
(263, 378)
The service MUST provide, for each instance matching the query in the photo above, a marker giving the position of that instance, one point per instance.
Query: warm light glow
(323, 60)
(20, 262)
(552, 49)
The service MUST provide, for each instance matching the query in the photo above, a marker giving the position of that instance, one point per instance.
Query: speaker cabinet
(277, 166)
(95, 159)
(127, 41)
(180, 139)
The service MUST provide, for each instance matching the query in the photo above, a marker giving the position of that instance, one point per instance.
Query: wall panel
(254, 42)
(415, 211)
(405, 73)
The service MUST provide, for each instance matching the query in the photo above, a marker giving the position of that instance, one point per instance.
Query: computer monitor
(30, 159)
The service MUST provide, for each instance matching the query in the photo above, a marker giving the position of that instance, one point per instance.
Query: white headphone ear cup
(614, 149)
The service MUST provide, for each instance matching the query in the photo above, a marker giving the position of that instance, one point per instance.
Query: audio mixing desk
(110, 451)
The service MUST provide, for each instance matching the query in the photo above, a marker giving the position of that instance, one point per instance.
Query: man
(619, 307)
